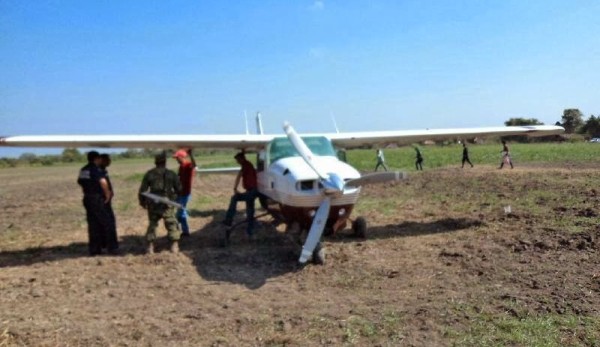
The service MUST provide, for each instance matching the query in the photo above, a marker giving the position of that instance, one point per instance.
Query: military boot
(150, 248)
(174, 247)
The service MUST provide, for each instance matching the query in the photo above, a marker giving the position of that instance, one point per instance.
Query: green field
(403, 158)
(434, 155)
(489, 154)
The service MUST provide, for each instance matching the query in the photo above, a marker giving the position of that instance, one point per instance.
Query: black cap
(92, 155)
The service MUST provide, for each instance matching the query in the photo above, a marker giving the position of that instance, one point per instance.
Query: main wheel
(328, 231)
(359, 227)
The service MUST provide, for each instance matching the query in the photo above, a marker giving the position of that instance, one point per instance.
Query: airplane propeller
(316, 230)
(377, 177)
(333, 185)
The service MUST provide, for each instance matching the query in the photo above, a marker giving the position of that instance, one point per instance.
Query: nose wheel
(359, 227)
(319, 255)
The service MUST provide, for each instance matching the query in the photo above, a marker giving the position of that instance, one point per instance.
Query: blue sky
(133, 67)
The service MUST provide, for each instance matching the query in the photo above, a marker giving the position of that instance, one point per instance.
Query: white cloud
(318, 5)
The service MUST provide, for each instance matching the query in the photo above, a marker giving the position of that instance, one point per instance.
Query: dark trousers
(380, 163)
(112, 243)
(248, 197)
(419, 164)
(99, 223)
(466, 159)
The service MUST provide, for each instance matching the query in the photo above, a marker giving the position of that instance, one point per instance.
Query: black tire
(328, 231)
(319, 255)
(359, 227)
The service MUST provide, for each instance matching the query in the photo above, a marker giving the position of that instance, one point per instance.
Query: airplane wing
(382, 138)
(249, 141)
(139, 141)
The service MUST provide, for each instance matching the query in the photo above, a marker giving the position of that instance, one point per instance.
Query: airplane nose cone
(334, 184)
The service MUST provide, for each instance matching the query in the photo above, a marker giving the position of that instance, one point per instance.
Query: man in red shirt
(247, 175)
(187, 166)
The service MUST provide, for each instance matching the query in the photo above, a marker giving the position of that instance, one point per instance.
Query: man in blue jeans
(187, 165)
(247, 175)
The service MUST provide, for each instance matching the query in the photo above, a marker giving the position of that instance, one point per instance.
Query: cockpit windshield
(281, 147)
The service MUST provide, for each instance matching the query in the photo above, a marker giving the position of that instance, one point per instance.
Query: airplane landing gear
(359, 227)
(319, 255)
(297, 235)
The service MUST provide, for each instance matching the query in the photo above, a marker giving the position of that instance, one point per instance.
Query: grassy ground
(441, 156)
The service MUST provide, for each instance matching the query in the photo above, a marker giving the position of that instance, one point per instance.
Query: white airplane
(301, 175)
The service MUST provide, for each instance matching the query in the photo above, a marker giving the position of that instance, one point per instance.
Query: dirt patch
(442, 249)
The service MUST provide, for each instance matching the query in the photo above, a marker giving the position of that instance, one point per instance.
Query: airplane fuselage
(285, 178)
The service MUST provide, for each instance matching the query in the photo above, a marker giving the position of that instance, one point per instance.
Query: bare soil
(442, 251)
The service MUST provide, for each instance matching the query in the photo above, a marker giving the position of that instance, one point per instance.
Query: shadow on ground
(250, 263)
(411, 228)
(130, 244)
(242, 261)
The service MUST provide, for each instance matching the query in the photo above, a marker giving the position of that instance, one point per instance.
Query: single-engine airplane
(301, 175)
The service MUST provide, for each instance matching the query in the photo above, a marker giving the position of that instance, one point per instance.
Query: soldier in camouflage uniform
(164, 182)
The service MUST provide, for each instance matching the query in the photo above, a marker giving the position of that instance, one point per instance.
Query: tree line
(572, 121)
(69, 155)
(73, 155)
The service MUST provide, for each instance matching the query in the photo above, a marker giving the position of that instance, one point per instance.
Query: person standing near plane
(247, 175)
(112, 243)
(162, 182)
(187, 165)
(465, 156)
(419, 160)
(380, 160)
(96, 195)
(505, 156)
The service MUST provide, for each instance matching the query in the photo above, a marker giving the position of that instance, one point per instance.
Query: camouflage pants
(155, 214)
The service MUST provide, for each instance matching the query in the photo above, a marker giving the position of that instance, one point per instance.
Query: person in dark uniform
(112, 243)
(96, 196)
(465, 157)
(165, 183)
(247, 175)
(419, 161)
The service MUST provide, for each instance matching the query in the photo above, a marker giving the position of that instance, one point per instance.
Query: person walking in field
(505, 156)
(112, 243)
(465, 155)
(380, 160)
(96, 195)
(419, 159)
(162, 182)
(187, 166)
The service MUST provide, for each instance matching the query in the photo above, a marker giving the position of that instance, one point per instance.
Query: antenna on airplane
(334, 123)
(246, 121)
(259, 127)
